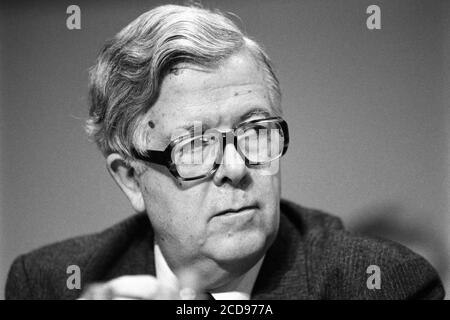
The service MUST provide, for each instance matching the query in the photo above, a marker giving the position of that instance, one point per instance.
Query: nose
(232, 169)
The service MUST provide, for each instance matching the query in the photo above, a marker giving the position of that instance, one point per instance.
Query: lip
(239, 210)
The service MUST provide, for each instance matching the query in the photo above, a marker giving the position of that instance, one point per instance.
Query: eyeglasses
(193, 157)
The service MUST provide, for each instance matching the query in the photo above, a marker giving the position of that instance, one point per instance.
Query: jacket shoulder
(360, 267)
(43, 272)
(346, 265)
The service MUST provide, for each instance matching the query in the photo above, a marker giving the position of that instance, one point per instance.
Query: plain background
(368, 112)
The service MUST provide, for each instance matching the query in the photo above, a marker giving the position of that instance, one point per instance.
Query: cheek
(173, 211)
(267, 186)
(268, 189)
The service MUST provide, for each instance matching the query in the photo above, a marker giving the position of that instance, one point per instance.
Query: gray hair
(126, 79)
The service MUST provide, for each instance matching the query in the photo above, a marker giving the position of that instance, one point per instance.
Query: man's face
(192, 221)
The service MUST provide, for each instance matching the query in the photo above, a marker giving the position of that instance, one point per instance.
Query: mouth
(237, 211)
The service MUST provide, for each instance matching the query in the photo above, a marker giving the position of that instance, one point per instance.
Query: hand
(139, 287)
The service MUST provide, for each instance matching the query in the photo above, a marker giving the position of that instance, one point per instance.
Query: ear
(126, 179)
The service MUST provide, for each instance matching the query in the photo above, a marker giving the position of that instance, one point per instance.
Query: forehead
(216, 97)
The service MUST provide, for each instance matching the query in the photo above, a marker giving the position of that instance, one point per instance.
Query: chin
(239, 252)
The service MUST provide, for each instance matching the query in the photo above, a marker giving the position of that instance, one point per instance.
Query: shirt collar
(240, 291)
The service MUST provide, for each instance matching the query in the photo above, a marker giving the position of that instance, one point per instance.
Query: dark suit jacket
(313, 257)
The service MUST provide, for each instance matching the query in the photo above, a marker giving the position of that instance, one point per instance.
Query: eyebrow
(254, 112)
(190, 126)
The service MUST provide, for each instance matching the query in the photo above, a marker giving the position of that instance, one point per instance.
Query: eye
(206, 140)
(253, 131)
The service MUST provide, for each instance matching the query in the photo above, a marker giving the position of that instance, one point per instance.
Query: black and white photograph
(225, 150)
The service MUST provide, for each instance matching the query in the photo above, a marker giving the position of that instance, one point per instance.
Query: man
(187, 112)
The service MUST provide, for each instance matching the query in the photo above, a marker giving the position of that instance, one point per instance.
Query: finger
(130, 287)
(97, 291)
(135, 287)
(190, 284)
(142, 287)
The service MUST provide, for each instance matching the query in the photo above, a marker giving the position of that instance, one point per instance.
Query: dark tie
(209, 296)
(205, 296)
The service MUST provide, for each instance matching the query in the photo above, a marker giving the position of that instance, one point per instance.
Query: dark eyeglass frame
(164, 158)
